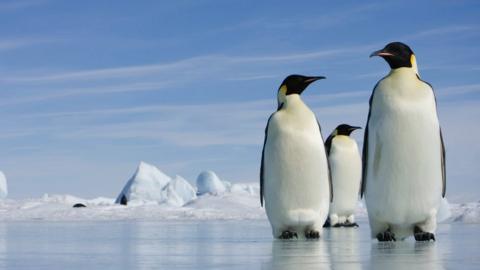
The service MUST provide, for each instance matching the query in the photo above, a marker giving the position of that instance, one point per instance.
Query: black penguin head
(345, 129)
(397, 55)
(295, 84)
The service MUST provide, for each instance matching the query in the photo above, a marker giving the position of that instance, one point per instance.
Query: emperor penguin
(346, 172)
(294, 173)
(404, 176)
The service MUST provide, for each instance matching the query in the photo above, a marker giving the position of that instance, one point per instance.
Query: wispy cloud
(458, 90)
(16, 43)
(323, 19)
(6, 6)
(440, 31)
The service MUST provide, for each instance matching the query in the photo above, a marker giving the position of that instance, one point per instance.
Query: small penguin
(404, 176)
(346, 172)
(294, 173)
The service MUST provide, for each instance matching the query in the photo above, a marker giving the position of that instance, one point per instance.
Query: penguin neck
(293, 102)
(404, 71)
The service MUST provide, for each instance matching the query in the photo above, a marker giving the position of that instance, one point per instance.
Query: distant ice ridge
(465, 212)
(3, 186)
(149, 185)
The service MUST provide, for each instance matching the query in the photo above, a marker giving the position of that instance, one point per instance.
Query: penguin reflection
(404, 255)
(298, 255)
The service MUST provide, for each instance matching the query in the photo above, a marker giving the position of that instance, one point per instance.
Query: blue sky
(88, 89)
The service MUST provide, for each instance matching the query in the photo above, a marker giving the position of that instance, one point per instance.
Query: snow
(153, 195)
(208, 182)
(3, 186)
(239, 202)
(465, 212)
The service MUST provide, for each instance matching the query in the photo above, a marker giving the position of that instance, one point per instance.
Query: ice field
(170, 224)
(246, 244)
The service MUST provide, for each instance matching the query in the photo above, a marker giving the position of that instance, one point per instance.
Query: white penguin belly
(404, 181)
(346, 170)
(296, 173)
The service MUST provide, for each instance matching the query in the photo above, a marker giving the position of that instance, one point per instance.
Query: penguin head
(294, 84)
(345, 129)
(397, 55)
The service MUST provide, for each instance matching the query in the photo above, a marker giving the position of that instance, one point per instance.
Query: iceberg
(179, 192)
(146, 184)
(209, 183)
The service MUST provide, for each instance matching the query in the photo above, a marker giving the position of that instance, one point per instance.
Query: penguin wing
(365, 145)
(442, 146)
(328, 163)
(328, 144)
(263, 159)
(444, 171)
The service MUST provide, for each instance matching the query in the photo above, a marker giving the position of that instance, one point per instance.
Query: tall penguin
(346, 171)
(403, 152)
(294, 174)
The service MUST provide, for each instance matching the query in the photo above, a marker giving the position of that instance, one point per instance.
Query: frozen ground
(223, 231)
(240, 202)
(226, 244)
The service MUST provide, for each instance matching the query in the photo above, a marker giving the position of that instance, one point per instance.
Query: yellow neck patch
(413, 61)
(282, 94)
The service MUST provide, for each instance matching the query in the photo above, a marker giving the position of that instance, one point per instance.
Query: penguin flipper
(262, 163)
(328, 144)
(365, 145)
(442, 146)
(328, 163)
(444, 171)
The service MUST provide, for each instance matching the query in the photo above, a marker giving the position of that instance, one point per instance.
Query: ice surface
(208, 182)
(244, 244)
(3, 186)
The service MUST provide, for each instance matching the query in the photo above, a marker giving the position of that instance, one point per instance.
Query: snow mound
(146, 184)
(209, 183)
(70, 200)
(179, 192)
(244, 188)
(3, 186)
(465, 212)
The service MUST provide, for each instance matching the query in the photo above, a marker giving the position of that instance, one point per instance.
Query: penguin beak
(354, 128)
(380, 53)
(309, 80)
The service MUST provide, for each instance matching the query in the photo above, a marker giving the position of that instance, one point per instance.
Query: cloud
(442, 31)
(16, 43)
(458, 90)
(8, 6)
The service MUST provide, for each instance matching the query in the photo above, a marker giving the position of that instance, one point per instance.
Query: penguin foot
(348, 224)
(312, 234)
(327, 223)
(386, 236)
(420, 235)
(288, 235)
